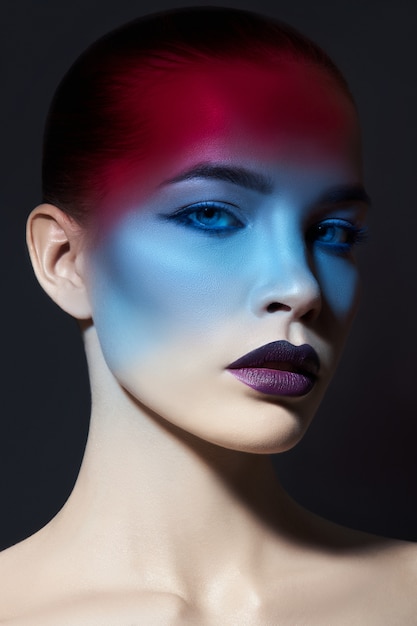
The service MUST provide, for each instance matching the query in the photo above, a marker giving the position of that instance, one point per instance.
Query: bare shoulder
(40, 590)
(392, 559)
(398, 559)
(18, 575)
(351, 575)
(389, 583)
(380, 579)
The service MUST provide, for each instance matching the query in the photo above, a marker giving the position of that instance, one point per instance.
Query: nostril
(271, 308)
(275, 306)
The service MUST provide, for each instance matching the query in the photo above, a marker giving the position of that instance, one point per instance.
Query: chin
(266, 428)
(265, 437)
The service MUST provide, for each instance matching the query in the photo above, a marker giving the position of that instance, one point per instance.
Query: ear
(56, 249)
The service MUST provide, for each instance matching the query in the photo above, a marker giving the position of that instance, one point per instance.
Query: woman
(203, 201)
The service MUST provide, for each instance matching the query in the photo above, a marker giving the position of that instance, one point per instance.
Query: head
(202, 198)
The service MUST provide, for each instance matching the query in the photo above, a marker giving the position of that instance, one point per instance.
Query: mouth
(278, 368)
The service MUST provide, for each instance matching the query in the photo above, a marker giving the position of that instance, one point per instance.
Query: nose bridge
(285, 274)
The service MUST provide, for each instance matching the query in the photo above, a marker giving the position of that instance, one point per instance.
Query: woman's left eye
(338, 234)
(213, 218)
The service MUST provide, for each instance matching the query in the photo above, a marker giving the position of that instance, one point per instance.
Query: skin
(177, 517)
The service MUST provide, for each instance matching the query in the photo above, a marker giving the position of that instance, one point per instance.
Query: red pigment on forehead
(211, 111)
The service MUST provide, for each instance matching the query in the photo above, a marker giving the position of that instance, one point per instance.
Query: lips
(278, 368)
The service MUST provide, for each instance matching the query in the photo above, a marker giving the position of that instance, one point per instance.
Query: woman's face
(244, 235)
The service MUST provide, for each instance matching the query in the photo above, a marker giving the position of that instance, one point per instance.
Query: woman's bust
(203, 204)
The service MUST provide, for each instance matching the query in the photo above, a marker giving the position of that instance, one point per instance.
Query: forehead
(288, 111)
(287, 97)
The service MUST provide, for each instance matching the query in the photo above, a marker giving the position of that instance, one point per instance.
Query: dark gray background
(357, 464)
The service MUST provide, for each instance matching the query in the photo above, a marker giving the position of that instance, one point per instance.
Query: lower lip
(275, 382)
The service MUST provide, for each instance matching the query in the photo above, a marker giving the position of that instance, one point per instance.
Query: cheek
(152, 291)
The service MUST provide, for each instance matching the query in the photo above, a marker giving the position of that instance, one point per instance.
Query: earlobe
(56, 250)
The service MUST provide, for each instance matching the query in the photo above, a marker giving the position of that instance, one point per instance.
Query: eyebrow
(236, 175)
(259, 182)
(345, 194)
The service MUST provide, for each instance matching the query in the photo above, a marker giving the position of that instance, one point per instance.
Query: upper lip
(281, 355)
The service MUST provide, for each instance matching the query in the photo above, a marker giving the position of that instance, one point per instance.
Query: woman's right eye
(210, 217)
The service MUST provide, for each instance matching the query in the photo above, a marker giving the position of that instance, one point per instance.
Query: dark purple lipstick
(278, 368)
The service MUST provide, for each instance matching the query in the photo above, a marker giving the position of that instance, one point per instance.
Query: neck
(150, 493)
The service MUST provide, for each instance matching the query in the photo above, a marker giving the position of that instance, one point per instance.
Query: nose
(286, 283)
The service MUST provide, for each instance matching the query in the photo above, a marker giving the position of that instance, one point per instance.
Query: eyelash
(353, 234)
(184, 216)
